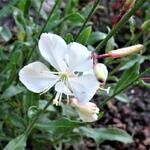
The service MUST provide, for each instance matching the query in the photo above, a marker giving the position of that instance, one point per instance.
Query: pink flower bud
(125, 51)
(129, 3)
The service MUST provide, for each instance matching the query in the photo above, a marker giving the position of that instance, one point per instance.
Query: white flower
(73, 65)
(88, 112)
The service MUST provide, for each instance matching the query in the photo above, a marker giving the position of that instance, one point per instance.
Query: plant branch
(119, 91)
(124, 19)
(134, 40)
(43, 28)
(88, 17)
(38, 13)
(40, 112)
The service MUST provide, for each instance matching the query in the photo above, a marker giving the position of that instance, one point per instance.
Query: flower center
(64, 76)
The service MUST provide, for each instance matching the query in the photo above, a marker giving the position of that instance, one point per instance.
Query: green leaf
(14, 59)
(16, 120)
(31, 99)
(127, 77)
(5, 33)
(19, 19)
(69, 38)
(12, 76)
(60, 126)
(42, 104)
(86, 10)
(11, 91)
(111, 44)
(84, 35)
(132, 25)
(5, 11)
(144, 84)
(101, 134)
(122, 97)
(96, 37)
(18, 143)
(68, 111)
(75, 18)
(130, 61)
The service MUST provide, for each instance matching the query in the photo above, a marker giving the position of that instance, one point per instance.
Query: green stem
(40, 112)
(49, 17)
(66, 12)
(38, 13)
(134, 40)
(116, 69)
(88, 17)
(26, 8)
(119, 91)
(120, 24)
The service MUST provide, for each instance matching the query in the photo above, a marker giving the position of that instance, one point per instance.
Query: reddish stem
(103, 56)
(95, 57)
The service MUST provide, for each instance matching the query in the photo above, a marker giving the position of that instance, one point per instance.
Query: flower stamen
(105, 90)
(64, 76)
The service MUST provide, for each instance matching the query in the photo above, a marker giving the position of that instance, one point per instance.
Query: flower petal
(79, 57)
(62, 88)
(88, 118)
(53, 48)
(88, 112)
(84, 87)
(37, 77)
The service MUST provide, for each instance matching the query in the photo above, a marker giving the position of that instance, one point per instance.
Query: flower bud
(125, 51)
(101, 72)
(146, 25)
(88, 112)
(129, 3)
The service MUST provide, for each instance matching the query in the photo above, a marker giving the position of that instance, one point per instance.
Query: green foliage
(102, 134)
(84, 36)
(127, 77)
(5, 33)
(96, 37)
(8, 8)
(75, 18)
(18, 143)
(60, 126)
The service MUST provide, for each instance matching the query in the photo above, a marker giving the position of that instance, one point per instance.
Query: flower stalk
(89, 16)
(128, 85)
(42, 30)
(35, 119)
(144, 28)
(116, 28)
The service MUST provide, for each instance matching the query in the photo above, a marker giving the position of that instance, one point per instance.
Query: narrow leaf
(18, 143)
(84, 36)
(127, 77)
(59, 126)
(75, 18)
(112, 134)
